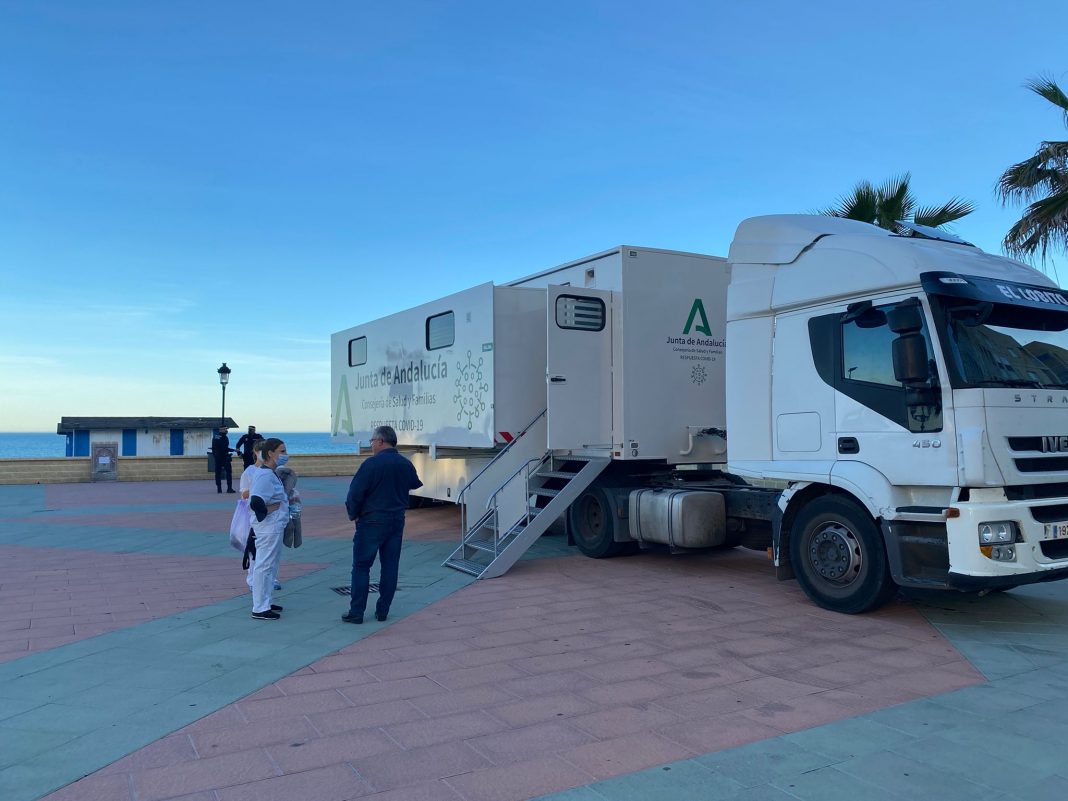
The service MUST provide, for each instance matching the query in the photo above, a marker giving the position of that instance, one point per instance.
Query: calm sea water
(45, 445)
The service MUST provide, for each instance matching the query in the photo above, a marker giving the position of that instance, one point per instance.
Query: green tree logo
(697, 313)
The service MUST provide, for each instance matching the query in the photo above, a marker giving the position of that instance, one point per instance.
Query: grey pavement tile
(587, 793)
(61, 718)
(924, 717)
(846, 739)
(18, 745)
(914, 779)
(1051, 788)
(758, 763)
(999, 772)
(830, 784)
(982, 699)
(1041, 756)
(679, 781)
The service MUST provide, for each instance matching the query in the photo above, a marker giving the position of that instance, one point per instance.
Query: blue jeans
(381, 534)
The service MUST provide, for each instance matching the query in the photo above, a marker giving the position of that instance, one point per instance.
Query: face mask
(282, 459)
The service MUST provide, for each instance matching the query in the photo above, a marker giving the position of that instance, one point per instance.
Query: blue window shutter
(129, 442)
(177, 446)
(81, 443)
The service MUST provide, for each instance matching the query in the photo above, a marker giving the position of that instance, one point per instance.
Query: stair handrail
(500, 453)
(493, 496)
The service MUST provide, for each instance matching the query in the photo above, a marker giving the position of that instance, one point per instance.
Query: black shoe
(351, 618)
(219, 489)
(270, 614)
(231, 491)
(380, 616)
(276, 608)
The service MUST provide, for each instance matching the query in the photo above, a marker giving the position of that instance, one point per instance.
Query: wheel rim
(591, 519)
(835, 554)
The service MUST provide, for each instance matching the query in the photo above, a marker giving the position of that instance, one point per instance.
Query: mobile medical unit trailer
(896, 407)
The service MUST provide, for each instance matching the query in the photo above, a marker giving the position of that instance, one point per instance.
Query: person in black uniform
(377, 499)
(246, 446)
(221, 450)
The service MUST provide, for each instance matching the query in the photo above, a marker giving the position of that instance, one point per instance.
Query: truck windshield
(1002, 345)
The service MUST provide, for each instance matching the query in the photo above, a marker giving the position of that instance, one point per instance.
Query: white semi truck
(891, 409)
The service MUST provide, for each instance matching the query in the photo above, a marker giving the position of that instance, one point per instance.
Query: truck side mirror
(905, 318)
(910, 359)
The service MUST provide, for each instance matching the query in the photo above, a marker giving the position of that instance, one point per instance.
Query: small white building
(142, 436)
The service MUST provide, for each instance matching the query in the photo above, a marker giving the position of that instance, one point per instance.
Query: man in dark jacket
(246, 446)
(221, 450)
(377, 500)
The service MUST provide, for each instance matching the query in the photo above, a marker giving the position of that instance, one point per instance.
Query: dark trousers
(224, 468)
(377, 534)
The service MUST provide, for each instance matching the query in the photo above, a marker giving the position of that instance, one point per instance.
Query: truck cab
(909, 393)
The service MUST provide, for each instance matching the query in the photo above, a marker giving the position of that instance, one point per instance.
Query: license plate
(1056, 531)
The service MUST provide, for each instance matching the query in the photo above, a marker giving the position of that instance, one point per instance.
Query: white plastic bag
(240, 525)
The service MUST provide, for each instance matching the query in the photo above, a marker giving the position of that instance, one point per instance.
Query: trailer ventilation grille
(347, 589)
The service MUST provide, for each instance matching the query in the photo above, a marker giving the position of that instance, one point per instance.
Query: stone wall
(66, 470)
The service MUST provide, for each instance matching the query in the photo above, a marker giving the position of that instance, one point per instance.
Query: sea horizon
(50, 445)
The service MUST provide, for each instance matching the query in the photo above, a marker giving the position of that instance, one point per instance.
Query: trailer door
(579, 368)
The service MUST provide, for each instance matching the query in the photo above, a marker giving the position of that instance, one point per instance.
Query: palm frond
(896, 201)
(1044, 224)
(1047, 88)
(861, 204)
(948, 212)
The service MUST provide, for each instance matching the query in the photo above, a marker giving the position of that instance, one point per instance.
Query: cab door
(579, 368)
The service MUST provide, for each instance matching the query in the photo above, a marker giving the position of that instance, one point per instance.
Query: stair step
(545, 491)
(558, 474)
(466, 566)
(482, 543)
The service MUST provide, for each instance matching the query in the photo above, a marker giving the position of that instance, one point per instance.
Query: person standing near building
(270, 507)
(221, 450)
(246, 446)
(377, 500)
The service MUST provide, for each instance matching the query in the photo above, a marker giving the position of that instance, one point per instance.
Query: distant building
(141, 436)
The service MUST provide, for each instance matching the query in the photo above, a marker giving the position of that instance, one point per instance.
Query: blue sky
(187, 183)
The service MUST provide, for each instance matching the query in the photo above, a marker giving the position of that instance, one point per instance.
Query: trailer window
(357, 351)
(580, 313)
(440, 331)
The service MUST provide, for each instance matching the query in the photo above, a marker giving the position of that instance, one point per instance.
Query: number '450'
(927, 443)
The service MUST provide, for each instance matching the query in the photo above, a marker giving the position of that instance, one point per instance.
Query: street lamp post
(224, 378)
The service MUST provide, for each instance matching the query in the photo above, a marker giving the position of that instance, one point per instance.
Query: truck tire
(839, 557)
(592, 521)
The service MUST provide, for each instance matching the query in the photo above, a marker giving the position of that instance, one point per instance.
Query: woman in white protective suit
(270, 511)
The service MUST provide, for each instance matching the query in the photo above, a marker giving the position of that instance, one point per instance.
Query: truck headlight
(997, 532)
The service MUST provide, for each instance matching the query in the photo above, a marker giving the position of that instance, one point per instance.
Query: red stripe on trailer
(507, 437)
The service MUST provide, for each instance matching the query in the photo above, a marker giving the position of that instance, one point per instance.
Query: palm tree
(1042, 181)
(893, 203)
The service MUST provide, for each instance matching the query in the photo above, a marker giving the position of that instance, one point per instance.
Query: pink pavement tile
(335, 679)
(706, 703)
(298, 756)
(216, 742)
(462, 678)
(519, 781)
(202, 774)
(367, 716)
(172, 750)
(418, 765)
(332, 783)
(223, 718)
(618, 721)
(431, 731)
(542, 708)
(624, 669)
(410, 668)
(773, 688)
(705, 735)
(445, 703)
(98, 787)
(628, 692)
(430, 790)
(796, 714)
(626, 754)
(397, 690)
(292, 705)
(529, 741)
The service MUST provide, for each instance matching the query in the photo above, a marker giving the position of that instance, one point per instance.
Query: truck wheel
(592, 522)
(839, 557)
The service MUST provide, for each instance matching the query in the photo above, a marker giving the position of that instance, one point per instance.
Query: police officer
(221, 450)
(246, 446)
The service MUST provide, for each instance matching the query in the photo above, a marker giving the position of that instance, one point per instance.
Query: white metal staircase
(525, 489)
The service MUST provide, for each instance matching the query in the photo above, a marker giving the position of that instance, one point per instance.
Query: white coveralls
(245, 486)
(269, 532)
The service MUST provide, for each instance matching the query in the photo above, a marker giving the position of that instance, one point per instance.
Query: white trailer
(895, 407)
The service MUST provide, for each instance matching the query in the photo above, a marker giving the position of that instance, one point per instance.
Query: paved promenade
(130, 670)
